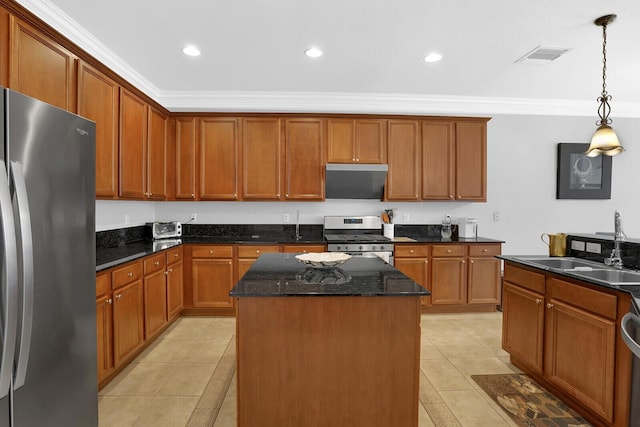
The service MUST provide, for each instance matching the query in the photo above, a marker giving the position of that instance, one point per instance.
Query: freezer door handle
(10, 298)
(626, 336)
(22, 202)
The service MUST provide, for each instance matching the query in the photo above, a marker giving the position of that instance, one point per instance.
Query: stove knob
(373, 248)
(339, 248)
(361, 247)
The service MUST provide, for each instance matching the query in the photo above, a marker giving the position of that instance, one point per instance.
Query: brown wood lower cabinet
(565, 334)
(460, 277)
(155, 295)
(212, 275)
(128, 320)
(104, 325)
(175, 280)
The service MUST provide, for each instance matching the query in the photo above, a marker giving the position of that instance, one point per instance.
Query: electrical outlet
(405, 218)
(577, 245)
(496, 216)
(594, 248)
(285, 218)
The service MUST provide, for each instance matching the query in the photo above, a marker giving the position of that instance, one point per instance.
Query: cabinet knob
(109, 301)
(538, 300)
(549, 305)
(357, 159)
(448, 251)
(211, 251)
(257, 251)
(157, 263)
(286, 195)
(470, 262)
(170, 270)
(278, 195)
(411, 251)
(451, 196)
(353, 159)
(166, 273)
(118, 296)
(176, 255)
(304, 251)
(150, 194)
(193, 195)
(129, 274)
(229, 262)
(485, 250)
(463, 262)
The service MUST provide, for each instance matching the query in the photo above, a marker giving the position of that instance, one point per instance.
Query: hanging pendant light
(604, 140)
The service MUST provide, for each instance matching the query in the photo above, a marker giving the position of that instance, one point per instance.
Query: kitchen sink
(560, 263)
(613, 277)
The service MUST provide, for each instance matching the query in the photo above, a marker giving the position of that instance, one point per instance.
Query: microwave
(165, 230)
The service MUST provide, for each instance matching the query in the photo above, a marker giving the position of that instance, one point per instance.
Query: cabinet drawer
(447, 250)
(103, 284)
(153, 263)
(212, 251)
(525, 278)
(295, 249)
(254, 251)
(411, 251)
(586, 298)
(484, 250)
(174, 255)
(126, 274)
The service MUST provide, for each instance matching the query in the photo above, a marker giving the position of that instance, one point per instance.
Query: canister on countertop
(467, 228)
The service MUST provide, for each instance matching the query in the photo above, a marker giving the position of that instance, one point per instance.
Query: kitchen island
(331, 347)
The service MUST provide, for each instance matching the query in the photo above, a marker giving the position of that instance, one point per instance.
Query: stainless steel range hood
(355, 181)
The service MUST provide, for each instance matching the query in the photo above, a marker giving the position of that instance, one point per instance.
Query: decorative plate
(323, 259)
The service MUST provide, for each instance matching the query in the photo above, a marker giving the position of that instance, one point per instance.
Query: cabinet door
(155, 303)
(128, 321)
(523, 325)
(370, 141)
(404, 160)
(40, 67)
(104, 329)
(438, 161)
(212, 280)
(341, 143)
(133, 146)
(156, 155)
(471, 161)
(98, 101)
(448, 281)
(218, 159)
(186, 158)
(580, 355)
(484, 281)
(261, 159)
(418, 270)
(304, 164)
(175, 301)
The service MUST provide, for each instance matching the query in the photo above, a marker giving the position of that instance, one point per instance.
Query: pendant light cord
(605, 109)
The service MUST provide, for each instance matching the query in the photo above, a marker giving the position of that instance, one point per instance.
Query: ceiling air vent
(542, 55)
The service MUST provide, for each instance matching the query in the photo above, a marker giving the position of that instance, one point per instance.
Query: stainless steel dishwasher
(630, 327)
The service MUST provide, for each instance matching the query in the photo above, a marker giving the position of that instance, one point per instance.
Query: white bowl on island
(323, 259)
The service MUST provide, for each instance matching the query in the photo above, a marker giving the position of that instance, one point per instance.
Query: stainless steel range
(357, 236)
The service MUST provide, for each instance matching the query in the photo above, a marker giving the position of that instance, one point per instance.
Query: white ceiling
(253, 53)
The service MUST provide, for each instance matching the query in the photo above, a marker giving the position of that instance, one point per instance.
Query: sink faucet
(298, 225)
(615, 259)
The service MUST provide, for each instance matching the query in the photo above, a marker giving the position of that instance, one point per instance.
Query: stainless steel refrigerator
(47, 301)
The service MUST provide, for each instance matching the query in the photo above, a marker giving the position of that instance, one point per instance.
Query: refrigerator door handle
(10, 298)
(17, 178)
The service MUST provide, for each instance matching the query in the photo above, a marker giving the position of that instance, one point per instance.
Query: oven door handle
(627, 319)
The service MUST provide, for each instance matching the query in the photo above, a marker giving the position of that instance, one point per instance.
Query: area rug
(527, 403)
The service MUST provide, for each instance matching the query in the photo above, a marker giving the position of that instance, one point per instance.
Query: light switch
(577, 245)
(594, 248)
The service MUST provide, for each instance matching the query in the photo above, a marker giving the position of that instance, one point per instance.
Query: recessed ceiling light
(313, 52)
(433, 57)
(191, 50)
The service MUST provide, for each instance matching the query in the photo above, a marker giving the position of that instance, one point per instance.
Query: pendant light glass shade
(604, 140)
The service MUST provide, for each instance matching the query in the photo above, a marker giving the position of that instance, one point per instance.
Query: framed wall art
(582, 177)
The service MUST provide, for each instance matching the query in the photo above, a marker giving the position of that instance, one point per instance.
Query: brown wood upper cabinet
(98, 101)
(356, 141)
(133, 146)
(156, 155)
(185, 165)
(40, 67)
(454, 160)
(219, 159)
(304, 154)
(261, 159)
(404, 160)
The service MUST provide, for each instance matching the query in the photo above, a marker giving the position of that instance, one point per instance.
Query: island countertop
(282, 275)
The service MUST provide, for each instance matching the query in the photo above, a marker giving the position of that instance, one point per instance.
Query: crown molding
(314, 102)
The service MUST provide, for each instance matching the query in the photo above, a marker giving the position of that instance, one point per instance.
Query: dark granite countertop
(282, 275)
(452, 240)
(634, 290)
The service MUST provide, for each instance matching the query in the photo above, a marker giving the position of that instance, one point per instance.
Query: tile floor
(162, 386)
